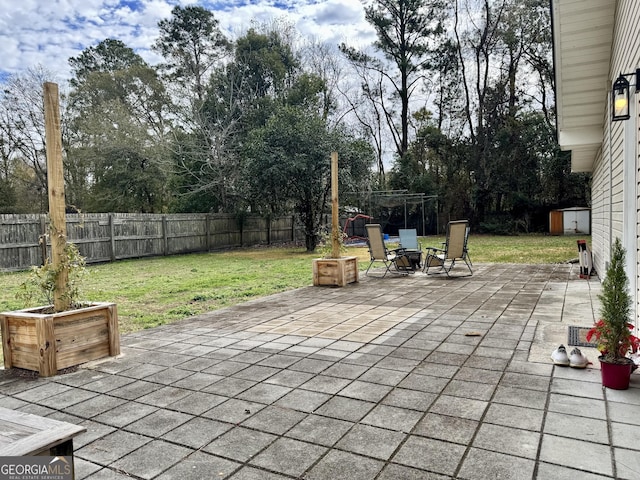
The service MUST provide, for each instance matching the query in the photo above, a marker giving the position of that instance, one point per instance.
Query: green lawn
(155, 291)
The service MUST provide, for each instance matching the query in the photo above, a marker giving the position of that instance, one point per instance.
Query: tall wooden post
(335, 222)
(336, 270)
(55, 183)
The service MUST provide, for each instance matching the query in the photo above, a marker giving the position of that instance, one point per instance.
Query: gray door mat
(578, 337)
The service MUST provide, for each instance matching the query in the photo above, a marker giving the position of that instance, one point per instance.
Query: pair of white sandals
(575, 359)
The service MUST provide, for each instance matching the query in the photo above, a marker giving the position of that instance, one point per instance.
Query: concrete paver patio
(418, 377)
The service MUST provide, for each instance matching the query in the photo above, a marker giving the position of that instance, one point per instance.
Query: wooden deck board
(26, 434)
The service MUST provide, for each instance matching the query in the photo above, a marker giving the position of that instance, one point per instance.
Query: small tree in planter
(613, 332)
(334, 269)
(53, 337)
(41, 286)
(328, 242)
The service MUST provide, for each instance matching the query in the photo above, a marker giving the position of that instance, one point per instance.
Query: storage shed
(570, 221)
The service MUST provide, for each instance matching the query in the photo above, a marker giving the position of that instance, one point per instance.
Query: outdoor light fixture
(620, 96)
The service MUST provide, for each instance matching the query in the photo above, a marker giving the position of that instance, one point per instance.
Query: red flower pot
(616, 375)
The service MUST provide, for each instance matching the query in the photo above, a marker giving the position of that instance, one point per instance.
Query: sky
(47, 33)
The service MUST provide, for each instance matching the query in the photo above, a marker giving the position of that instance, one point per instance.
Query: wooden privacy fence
(104, 237)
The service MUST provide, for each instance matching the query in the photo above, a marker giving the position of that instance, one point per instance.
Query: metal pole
(405, 213)
(423, 217)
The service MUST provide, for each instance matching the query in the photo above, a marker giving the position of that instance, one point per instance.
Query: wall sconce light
(620, 96)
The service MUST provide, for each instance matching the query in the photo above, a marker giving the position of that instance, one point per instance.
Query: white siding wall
(607, 219)
(600, 211)
(607, 195)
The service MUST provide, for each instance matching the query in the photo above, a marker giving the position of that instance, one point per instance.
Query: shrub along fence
(105, 237)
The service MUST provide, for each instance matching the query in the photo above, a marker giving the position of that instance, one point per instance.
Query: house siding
(600, 212)
(607, 190)
(611, 153)
(625, 58)
(607, 194)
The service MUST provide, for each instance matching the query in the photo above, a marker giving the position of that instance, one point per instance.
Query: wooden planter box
(48, 342)
(336, 272)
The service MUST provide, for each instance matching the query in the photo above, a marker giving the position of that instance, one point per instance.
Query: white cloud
(48, 33)
(337, 12)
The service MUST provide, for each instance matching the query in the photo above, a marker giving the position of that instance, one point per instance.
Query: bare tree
(366, 103)
(503, 65)
(22, 130)
(407, 31)
(325, 61)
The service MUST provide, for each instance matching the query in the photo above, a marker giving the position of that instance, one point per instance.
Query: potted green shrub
(613, 332)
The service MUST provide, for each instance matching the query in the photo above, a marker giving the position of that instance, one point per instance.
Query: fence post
(268, 221)
(207, 229)
(112, 237)
(165, 236)
(42, 239)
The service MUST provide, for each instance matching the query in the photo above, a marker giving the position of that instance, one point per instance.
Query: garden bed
(47, 342)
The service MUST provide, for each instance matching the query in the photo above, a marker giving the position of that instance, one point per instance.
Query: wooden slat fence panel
(19, 235)
(137, 235)
(185, 233)
(284, 230)
(254, 231)
(102, 237)
(224, 231)
(91, 234)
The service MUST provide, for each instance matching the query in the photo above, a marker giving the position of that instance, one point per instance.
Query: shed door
(555, 223)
